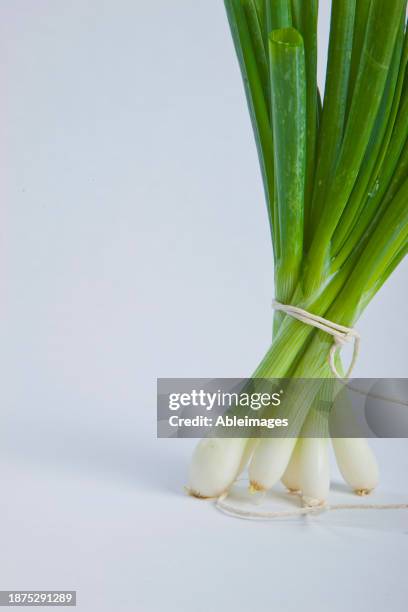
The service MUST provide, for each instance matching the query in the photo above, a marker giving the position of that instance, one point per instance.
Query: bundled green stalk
(336, 186)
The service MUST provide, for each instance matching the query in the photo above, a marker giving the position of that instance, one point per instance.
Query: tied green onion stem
(336, 184)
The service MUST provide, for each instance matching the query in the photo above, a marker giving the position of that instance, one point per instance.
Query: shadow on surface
(120, 456)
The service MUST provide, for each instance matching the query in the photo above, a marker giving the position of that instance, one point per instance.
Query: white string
(301, 511)
(341, 334)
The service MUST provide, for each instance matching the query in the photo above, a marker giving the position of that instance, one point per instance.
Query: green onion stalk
(335, 177)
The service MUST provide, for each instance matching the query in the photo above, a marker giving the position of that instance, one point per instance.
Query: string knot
(341, 334)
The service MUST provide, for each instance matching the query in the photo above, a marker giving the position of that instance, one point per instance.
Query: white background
(134, 244)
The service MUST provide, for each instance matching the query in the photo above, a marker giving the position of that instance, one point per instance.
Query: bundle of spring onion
(336, 184)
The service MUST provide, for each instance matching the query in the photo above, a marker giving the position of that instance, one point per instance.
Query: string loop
(340, 333)
(231, 510)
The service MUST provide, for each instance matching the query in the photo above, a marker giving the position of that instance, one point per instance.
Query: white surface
(114, 524)
(134, 244)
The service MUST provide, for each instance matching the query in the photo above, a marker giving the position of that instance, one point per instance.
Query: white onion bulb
(247, 454)
(314, 470)
(215, 465)
(291, 477)
(357, 464)
(269, 462)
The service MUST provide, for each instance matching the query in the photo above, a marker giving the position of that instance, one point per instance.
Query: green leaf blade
(376, 58)
(305, 15)
(335, 100)
(288, 85)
